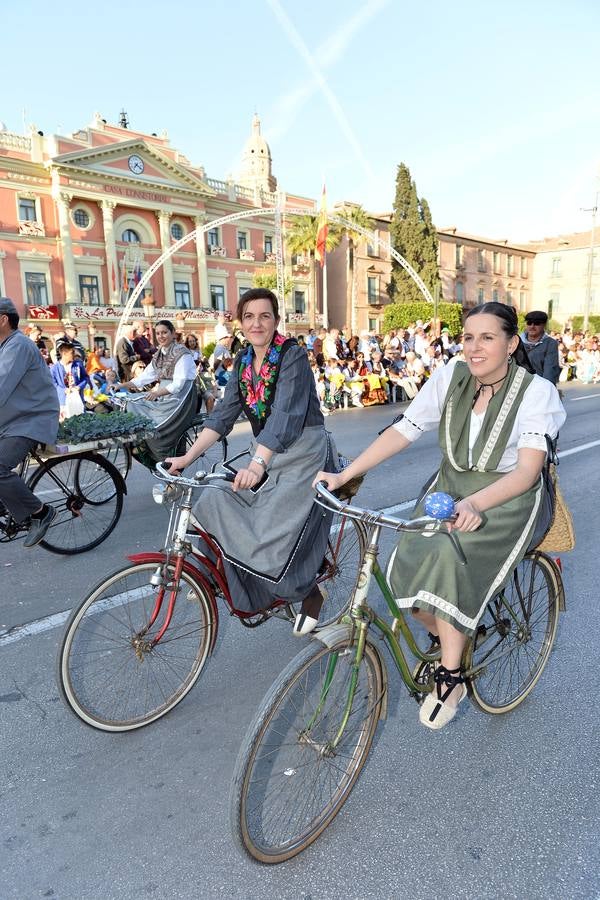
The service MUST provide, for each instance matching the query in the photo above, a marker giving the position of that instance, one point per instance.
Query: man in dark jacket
(541, 348)
(125, 353)
(28, 415)
(141, 343)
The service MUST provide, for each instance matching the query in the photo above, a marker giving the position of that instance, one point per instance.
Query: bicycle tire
(514, 637)
(346, 545)
(75, 528)
(259, 811)
(101, 671)
(121, 458)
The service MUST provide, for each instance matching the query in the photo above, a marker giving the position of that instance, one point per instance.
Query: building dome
(256, 167)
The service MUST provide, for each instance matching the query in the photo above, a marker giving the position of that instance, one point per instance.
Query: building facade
(552, 275)
(564, 285)
(83, 217)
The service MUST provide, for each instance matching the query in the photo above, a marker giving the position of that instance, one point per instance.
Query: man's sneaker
(39, 527)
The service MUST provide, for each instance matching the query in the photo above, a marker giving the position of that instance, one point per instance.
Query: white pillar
(112, 266)
(163, 217)
(204, 289)
(71, 286)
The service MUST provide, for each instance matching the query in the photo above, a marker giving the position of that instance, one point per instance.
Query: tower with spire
(256, 167)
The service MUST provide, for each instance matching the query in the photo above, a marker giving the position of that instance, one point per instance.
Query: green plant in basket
(90, 427)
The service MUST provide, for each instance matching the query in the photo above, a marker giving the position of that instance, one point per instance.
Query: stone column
(199, 221)
(112, 265)
(163, 217)
(71, 286)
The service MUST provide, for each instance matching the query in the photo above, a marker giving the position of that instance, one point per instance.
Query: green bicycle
(311, 736)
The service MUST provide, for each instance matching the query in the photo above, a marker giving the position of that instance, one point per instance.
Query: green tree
(267, 278)
(357, 218)
(301, 238)
(399, 315)
(413, 235)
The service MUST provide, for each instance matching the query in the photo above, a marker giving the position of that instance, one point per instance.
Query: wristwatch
(261, 462)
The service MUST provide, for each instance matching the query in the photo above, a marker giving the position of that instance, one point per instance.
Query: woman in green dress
(493, 414)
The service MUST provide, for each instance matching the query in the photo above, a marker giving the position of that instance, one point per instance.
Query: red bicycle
(139, 641)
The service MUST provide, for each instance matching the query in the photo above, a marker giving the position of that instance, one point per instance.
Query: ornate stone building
(82, 217)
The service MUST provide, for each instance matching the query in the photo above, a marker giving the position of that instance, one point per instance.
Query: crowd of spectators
(349, 370)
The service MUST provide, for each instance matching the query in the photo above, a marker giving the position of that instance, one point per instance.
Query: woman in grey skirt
(171, 403)
(272, 536)
(492, 414)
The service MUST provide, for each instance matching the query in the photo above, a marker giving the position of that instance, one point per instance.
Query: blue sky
(496, 111)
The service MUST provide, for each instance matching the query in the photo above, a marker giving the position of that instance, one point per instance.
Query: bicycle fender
(330, 636)
(193, 572)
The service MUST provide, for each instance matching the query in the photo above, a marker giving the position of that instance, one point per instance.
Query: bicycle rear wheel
(87, 493)
(121, 457)
(514, 637)
(211, 457)
(110, 674)
(345, 548)
(291, 777)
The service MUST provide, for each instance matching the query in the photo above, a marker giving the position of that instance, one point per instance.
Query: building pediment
(134, 163)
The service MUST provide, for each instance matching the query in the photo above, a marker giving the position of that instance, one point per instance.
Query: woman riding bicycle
(171, 403)
(493, 414)
(272, 537)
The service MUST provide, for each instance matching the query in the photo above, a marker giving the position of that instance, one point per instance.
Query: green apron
(424, 572)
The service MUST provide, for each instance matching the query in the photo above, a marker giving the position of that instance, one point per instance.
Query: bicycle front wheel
(301, 756)
(87, 493)
(514, 637)
(110, 672)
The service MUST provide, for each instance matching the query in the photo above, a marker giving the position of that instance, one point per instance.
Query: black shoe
(39, 527)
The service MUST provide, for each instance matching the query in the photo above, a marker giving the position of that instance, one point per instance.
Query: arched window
(130, 236)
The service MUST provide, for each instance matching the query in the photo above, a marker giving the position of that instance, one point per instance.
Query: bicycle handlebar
(198, 480)
(420, 525)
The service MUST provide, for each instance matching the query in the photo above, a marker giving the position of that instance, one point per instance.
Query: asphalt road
(492, 807)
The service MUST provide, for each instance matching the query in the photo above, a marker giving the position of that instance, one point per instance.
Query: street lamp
(588, 293)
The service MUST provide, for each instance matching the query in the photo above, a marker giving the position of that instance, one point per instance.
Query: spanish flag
(322, 229)
(125, 283)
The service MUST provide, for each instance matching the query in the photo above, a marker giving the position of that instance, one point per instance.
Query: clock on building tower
(136, 164)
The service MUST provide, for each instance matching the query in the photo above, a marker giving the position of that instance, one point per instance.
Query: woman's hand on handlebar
(331, 479)
(247, 478)
(177, 464)
(468, 517)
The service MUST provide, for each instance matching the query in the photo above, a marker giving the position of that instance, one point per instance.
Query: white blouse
(184, 371)
(540, 413)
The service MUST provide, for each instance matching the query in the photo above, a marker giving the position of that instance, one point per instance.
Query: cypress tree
(413, 235)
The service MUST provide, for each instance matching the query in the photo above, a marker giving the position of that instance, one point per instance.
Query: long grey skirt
(172, 416)
(272, 541)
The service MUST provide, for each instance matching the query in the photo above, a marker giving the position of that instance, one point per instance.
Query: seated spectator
(206, 386)
(415, 368)
(223, 373)
(191, 342)
(69, 375)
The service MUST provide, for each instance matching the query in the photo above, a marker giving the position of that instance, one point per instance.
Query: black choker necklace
(483, 385)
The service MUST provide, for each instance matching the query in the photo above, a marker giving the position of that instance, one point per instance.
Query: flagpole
(325, 304)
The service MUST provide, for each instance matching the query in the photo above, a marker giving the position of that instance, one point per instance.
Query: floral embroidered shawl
(257, 394)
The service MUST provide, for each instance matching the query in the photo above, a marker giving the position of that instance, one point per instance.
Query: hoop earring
(509, 358)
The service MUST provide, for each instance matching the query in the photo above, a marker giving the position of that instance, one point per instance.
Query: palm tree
(301, 238)
(356, 216)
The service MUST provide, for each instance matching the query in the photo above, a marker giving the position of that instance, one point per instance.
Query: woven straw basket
(561, 534)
